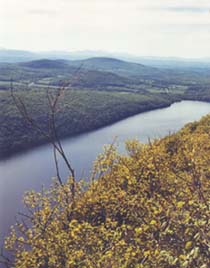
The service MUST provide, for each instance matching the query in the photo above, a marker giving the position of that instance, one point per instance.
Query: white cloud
(146, 27)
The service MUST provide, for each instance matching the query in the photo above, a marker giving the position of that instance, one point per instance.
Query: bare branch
(50, 135)
(56, 165)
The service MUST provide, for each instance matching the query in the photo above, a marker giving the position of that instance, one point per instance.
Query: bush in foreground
(149, 208)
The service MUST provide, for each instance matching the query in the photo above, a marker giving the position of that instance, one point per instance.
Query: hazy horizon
(158, 28)
(100, 53)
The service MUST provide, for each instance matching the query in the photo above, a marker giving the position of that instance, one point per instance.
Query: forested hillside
(78, 111)
(148, 208)
(98, 92)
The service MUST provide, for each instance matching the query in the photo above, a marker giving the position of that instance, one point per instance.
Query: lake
(34, 168)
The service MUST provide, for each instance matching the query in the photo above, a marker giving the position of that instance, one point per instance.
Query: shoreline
(28, 147)
(31, 146)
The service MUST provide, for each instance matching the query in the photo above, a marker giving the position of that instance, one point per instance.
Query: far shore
(28, 147)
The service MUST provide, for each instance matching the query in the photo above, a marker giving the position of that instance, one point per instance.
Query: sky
(179, 28)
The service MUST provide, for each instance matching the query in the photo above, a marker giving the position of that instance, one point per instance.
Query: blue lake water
(34, 168)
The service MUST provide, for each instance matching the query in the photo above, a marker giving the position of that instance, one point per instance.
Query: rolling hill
(45, 63)
(95, 82)
(95, 73)
(99, 64)
(13, 55)
(120, 67)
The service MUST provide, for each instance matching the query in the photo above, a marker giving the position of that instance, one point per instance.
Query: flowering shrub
(149, 208)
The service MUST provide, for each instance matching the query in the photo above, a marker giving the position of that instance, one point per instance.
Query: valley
(104, 134)
(98, 92)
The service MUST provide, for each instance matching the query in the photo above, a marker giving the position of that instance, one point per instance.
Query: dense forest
(79, 111)
(98, 92)
(147, 208)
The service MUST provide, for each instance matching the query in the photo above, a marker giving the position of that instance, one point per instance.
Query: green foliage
(149, 208)
(79, 111)
(105, 90)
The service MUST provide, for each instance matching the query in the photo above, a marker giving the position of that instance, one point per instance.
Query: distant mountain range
(99, 64)
(9, 55)
(116, 66)
(99, 72)
(12, 55)
(45, 63)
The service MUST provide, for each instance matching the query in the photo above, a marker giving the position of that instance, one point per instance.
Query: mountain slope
(12, 55)
(45, 63)
(120, 67)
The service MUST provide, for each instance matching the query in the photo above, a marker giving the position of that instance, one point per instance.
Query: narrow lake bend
(32, 169)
